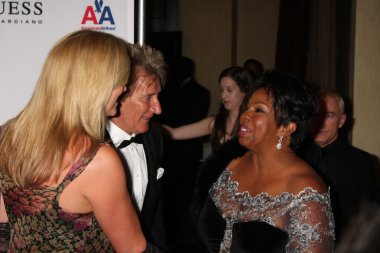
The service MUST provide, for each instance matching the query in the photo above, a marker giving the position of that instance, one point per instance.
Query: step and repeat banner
(29, 29)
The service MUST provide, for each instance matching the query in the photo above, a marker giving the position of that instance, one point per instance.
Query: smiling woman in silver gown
(259, 196)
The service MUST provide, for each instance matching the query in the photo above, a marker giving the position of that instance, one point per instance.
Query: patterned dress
(39, 224)
(306, 217)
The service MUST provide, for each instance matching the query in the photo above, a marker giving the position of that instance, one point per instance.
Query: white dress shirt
(134, 155)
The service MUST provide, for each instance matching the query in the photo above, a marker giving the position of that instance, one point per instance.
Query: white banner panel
(28, 30)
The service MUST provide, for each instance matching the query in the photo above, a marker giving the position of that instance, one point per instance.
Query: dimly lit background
(330, 43)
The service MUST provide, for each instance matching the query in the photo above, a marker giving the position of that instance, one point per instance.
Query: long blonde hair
(67, 106)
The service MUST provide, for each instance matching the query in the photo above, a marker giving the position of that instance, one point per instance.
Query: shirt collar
(117, 134)
(331, 148)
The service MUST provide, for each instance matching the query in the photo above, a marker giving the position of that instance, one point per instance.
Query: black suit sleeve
(202, 227)
(151, 216)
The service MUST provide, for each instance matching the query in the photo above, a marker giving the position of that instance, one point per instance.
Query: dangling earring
(279, 144)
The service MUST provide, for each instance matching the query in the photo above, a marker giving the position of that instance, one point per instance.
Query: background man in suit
(185, 101)
(142, 158)
(348, 171)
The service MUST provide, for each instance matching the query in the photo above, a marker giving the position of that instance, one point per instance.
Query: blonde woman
(62, 187)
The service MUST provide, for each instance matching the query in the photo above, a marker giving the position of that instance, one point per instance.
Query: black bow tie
(136, 139)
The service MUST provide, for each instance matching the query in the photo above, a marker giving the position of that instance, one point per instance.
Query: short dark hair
(255, 67)
(293, 101)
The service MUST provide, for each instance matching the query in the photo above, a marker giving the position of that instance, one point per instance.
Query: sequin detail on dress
(306, 217)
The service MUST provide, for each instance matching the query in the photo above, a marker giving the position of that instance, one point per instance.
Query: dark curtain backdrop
(293, 36)
(307, 44)
(315, 41)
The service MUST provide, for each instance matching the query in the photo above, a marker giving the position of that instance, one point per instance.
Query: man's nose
(156, 108)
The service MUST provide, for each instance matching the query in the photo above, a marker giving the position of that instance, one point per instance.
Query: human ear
(288, 129)
(342, 120)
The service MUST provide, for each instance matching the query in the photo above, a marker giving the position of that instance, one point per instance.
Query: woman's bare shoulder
(305, 176)
(106, 154)
(104, 171)
(106, 163)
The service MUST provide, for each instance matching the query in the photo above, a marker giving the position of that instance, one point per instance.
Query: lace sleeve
(311, 224)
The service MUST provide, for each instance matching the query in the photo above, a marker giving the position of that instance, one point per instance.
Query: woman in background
(235, 84)
(62, 187)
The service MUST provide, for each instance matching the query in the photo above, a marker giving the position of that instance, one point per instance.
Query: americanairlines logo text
(98, 17)
(21, 12)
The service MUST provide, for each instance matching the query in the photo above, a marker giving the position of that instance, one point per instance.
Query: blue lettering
(106, 16)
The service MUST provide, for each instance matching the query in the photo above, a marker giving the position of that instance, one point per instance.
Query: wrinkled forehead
(329, 104)
(144, 80)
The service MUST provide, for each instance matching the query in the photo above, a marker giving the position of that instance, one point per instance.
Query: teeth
(243, 130)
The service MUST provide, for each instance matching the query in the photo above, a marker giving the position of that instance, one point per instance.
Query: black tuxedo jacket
(349, 172)
(151, 215)
(190, 237)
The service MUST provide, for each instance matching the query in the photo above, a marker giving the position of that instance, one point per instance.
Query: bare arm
(4, 226)
(3, 212)
(194, 130)
(107, 193)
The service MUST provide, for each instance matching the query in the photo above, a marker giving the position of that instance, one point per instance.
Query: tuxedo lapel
(150, 213)
(152, 171)
(152, 144)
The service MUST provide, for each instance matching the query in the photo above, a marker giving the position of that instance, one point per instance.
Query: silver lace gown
(306, 217)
